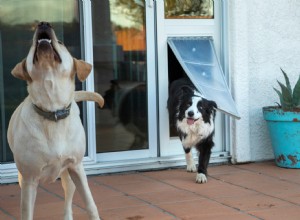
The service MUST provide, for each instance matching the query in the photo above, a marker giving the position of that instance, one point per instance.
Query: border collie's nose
(190, 113)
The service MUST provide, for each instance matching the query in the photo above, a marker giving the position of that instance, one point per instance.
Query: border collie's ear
(20, 71)
(209, 105)
(213, 104)
(187, 90)
(82, 69)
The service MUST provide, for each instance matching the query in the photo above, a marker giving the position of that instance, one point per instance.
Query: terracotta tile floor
(235, 192)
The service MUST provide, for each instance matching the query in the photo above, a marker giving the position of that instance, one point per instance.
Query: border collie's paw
(201, 178)
(191, 168)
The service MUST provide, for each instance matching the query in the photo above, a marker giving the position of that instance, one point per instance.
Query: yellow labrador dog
(45, 132)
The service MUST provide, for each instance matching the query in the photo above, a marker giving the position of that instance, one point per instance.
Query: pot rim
(277, 108)
(275, 113)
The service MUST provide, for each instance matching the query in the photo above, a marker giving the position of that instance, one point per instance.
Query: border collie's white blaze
(193, 124)
(193, 116)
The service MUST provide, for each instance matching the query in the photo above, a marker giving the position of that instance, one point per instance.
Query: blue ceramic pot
(284, 129)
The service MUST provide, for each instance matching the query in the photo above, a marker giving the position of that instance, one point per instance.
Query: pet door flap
(198, 59)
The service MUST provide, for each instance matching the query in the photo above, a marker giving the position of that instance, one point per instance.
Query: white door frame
(186, 27)
(151, 90)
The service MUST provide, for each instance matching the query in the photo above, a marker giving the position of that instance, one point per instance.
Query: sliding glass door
(121, 39)
(124, 73)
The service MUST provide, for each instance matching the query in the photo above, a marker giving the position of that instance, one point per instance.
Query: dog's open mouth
(191, 121)
(44, 42)
(44, 37)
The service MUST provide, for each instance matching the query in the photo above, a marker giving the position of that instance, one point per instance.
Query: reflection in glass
(189, 9)
(17, 23)
(120, 72)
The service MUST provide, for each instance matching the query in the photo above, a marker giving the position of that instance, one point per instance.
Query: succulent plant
(289, 99)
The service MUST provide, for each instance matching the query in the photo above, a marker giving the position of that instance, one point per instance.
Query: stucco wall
(263, 36)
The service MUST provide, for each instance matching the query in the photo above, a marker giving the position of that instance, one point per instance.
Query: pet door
(198, 59)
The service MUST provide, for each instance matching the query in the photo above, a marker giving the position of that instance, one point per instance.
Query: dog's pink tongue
(190, 121)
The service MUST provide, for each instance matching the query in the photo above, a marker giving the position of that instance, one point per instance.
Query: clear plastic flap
(198, 58)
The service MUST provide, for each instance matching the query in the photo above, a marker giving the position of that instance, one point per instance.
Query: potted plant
(283, 123)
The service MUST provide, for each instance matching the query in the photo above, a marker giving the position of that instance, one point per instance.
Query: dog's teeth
(47, 40)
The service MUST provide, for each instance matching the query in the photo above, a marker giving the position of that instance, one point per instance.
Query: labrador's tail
(89, 96)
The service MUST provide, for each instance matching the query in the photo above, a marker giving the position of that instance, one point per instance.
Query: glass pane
(198, 59)
(189, 9)
(120, 74)
(18, 19)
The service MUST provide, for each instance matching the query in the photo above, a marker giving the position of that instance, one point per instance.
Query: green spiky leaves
(289, 98)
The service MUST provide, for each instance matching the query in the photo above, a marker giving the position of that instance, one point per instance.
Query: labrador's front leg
(79, 178)
(69, 189)
(28, 195)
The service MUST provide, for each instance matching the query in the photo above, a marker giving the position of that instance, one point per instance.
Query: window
(189, 9)
(198, 59)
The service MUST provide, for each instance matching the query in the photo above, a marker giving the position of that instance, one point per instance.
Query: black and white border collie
(193, 117)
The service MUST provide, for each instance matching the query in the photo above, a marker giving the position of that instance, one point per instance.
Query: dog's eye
(188, 104)
(200, 105)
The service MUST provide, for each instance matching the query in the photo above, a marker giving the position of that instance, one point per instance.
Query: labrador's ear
(20, 71)
(82, 69)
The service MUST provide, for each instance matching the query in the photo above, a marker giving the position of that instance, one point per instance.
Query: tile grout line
(7, 213)
(137, 198)
(254, 190)
(272, 177)
(264, 174)
(211, 199)
(60, 197)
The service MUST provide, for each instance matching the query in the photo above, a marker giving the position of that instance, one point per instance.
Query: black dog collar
(53, 116)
